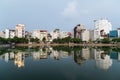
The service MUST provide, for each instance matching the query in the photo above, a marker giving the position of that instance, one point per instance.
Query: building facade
(2, 34)
(9, 33)
(64, 34)
(102, 28)
(55, 34)
(28, 35)
(78, 30)
(40, 34)
(115, 33)
(85, 35)
(81, 32)
(20, 30)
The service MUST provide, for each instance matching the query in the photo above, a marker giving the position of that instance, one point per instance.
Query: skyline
(65, 15)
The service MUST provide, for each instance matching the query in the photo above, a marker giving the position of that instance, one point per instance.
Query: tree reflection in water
(102, 58)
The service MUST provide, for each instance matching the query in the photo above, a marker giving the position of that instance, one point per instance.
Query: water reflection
(81, 56)
(103, 59)
(19, 59)
(41, 54)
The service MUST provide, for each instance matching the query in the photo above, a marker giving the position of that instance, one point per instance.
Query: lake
(59, 63)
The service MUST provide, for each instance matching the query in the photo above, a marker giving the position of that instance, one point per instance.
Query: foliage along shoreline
(68, 41)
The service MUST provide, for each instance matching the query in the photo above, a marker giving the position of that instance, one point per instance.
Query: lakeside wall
(71, 44)
(4, 45)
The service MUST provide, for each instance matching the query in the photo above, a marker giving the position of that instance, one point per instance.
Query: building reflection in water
(40, 54)
(103, 60)
(56, 55)
(81, 56)
(115, 55)
(19, 59)
(119, 56)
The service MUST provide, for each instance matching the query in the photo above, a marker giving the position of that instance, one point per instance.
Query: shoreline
(71, 45)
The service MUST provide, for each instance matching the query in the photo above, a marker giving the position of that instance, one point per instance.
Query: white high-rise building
(102, 28)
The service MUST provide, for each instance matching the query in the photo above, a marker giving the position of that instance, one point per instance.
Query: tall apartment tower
(20, 30)
(102, 28)
(78, 30)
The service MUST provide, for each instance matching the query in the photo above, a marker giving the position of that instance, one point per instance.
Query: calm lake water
(60, 63)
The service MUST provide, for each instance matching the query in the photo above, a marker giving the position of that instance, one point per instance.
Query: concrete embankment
(4, 45)
(71, 44)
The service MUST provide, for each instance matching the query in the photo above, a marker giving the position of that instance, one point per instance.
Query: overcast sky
(62, 14)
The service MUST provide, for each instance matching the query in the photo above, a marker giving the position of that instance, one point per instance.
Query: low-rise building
(85, 35)
(115, 33)
(64, 34)
(2, 34)
(9, 33)
(28, 35)
(40, 34)
(55, 34)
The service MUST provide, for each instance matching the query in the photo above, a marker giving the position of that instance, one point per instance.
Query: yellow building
(20, 30)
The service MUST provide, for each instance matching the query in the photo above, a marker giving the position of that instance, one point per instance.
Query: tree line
(58, 40)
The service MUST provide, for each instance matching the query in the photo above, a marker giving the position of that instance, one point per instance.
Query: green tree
(44, 39)
(36, 40)
(105, 40)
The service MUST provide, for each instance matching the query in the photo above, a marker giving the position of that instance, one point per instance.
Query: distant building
(28, 35)
(40, 34)
(2, 34)
(58, 34)
(92, 35)
(102, 28)
(55, 34)
(9, 33)
(65, 34)
(85, 35)
(78, 30)
(20, 30)
(81, 32)
(115, 33)
(36, 34)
